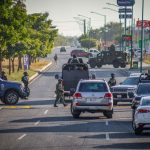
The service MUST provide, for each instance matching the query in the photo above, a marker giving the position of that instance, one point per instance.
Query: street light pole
(142, 29)
(104, 24)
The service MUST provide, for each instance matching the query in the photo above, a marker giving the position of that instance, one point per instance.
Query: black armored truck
(110, 57)
(72, 73)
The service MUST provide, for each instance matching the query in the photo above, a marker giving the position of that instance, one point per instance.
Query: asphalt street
(34, 124)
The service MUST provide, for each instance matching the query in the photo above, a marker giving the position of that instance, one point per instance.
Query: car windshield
(93, 87)
(131, 81)
(143, 89)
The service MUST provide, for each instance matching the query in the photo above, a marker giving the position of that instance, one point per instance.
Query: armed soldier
(112, 80)
(59, 93)
(3, 75)
(74, 60)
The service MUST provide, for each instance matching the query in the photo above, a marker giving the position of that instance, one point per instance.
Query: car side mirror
(57, 76)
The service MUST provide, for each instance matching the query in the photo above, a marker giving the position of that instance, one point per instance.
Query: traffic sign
(146, 23)
(125, 2)
(125, 10)
(126, 37)
(127, 16)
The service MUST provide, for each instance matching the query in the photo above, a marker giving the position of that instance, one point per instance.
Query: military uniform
(59, 94)
(112, 82)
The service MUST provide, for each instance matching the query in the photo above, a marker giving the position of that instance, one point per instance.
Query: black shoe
(55, 106)
(65, 105)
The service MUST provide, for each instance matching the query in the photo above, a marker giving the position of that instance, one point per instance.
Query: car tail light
(77, 95)
(143, 111)
(108, 95)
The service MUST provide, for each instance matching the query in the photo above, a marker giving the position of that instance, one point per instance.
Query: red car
(80, 53)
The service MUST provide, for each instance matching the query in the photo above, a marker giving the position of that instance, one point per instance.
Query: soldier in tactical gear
(59, 93)
(112, 80)
(74, 60)
(3, 76)
(25, 79)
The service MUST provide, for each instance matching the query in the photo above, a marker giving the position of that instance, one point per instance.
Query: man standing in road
(59, 93)
(112, 80)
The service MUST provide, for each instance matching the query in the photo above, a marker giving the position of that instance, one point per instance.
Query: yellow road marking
(14, 107)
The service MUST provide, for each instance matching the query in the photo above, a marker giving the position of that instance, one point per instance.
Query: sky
(62, 12)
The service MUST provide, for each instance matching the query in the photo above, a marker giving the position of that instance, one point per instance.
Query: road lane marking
(21, 137)
(107, 137)
(36, 123)
(15, 107)
(45, 112)
(106, 122)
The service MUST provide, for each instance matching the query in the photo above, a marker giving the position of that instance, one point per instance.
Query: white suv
(94, 52)
(92, 96)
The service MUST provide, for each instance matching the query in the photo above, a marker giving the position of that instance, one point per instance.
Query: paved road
(35, 124)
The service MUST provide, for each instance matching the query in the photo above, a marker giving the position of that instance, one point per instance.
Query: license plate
(91, 99)
(119, 96)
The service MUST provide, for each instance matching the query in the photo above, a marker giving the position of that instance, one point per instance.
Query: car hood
(11, 82)
(125, 86)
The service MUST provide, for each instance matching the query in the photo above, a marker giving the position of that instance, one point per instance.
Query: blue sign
(125, 2)
(127, 16)
(125, 10)
(26, 62)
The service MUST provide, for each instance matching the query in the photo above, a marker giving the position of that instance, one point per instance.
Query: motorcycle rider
(112, 80)
(59, 93)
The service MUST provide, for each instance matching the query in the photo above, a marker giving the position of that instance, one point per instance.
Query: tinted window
(93, 87)
(143, 89)
(145, 102)
(131, 81)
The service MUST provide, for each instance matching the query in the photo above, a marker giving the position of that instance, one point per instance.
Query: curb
(41, 70)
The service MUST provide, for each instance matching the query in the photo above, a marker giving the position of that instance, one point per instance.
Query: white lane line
(106, 122)
(45, 112)
(21, 137)
(107, 137)
(36, 123)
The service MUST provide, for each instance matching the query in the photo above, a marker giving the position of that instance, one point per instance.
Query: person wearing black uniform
(3, 76)
(74, 60)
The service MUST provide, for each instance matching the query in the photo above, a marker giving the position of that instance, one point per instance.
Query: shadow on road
(136, 145)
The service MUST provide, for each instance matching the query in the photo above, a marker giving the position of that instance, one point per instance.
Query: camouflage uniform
(59, 93)
(112, 82)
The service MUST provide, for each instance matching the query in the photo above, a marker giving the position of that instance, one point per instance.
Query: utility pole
(84, 26)
(142, 29)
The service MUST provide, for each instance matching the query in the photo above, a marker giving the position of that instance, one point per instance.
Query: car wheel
(92, 65)
(122, 65)
(137, 131)
(75, 113)
(99, 65)
(11, 97)
(116, 64)
(108, 114)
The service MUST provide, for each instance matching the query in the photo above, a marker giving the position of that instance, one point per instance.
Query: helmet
(112, 74)
(25, 73)
(60, 80)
